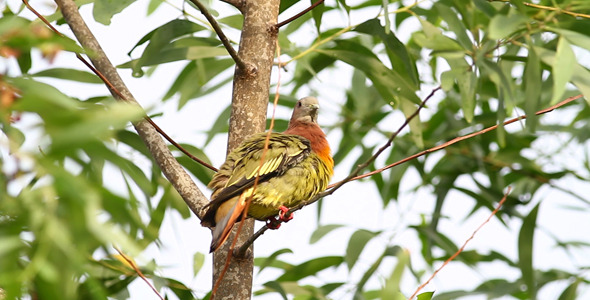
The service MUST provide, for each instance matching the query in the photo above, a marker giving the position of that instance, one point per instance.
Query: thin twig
(461, 138)
(557, 9)
(463, 246)
(131, 263)
(224, 40)
(295, 17)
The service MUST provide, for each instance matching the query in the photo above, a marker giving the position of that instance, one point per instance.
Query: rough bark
(248, 116)
(173, 171)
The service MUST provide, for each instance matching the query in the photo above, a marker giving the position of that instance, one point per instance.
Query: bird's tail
(224, 226)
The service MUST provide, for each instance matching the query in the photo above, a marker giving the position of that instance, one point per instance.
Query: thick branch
(233, 275)
(224, 40)
(173, 171)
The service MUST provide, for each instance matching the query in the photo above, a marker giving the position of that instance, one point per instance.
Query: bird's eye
(299, 104)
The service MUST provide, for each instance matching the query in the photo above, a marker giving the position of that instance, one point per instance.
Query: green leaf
(467, 82)
(533, 81)
(104, 10)
(425, 296)
(576, 38)
(153, 5)
(525, 251)
(409, 108)
(161, 38)
(563, 68)
(570, 292)
(198, 261)
(317, 14)
(456, 25)
(310, 268)
(502, 26)
(391, 290)
(277, 287)
(398, 54)
(321, 231)
(356, 244)
(69, 74)
(580, 77)
(221, 125)
(271, 258)
(388, 82)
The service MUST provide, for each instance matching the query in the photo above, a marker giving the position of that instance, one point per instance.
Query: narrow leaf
(563, 68)
(104, 10)
(321, 231)
(356, 244)
(525, 251)
(533, 81)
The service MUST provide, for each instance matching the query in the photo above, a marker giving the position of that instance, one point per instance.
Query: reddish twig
(119, 95)
(463, 246)
(295, 17)
(131, 263)
(461, 138)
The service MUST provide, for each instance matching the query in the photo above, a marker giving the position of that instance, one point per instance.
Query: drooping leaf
(104, 10)
(310, 268)
(563, 68)
(525, 251)
(356, 244)
(321, 231)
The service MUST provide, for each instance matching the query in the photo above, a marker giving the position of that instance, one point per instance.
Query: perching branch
(463, 246)
(353, 176)
(295, 17)
(224, 40)
(170, 167)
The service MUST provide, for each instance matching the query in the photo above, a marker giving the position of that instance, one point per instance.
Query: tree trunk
(248, 116)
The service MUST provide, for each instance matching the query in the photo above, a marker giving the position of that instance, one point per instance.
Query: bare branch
(224, 40)
(463, 246)
(173, 171)
(295, 17)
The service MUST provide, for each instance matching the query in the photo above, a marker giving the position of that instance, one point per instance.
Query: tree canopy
(90, 195)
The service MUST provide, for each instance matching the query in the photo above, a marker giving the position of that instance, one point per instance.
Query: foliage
(61, 210)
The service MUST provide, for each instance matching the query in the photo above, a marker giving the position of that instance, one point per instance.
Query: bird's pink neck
(314, 134)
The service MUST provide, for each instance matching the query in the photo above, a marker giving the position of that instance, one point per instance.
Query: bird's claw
(283, 217)
(275, 223)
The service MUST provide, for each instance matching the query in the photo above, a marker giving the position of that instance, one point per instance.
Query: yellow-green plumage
(297, 165)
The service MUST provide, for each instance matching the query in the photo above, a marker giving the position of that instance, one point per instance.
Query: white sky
(357, 204)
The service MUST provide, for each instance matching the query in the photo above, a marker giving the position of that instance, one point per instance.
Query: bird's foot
(283, 217)
(275, 223)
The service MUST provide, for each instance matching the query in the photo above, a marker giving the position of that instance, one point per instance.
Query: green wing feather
(242, 165)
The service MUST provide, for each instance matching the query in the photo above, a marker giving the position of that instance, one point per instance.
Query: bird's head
(306, 110)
